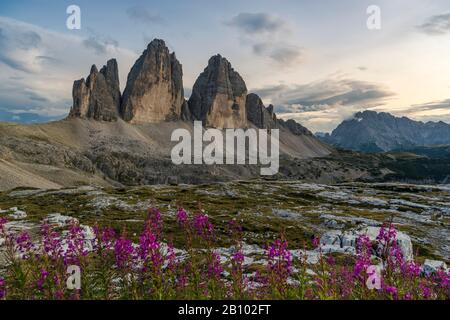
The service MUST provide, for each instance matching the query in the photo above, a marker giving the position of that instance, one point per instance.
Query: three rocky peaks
(154, 93)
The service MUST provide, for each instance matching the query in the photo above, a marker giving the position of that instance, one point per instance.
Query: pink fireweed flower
(123, 250)
(387, 236)
(412, 269)
(41, 280)
(238, 257)
(51, 241)
(426, 291)
(316, 241)
(215, 268)
(442, 279)
(203, 226)
(171, 257)
(280, 259)
(364, 252)
(24, 244)
(391, 290)
(182, 217)
(105, 238)
(154, 221)
(75, 241)
(149, 249)
(2, 288)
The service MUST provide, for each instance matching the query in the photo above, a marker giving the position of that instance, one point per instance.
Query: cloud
(436, 25)
(431, 106)
(254, 23)
(321, 105)
(283, 54)
(99, 44)
(38, 67)
(18, 48)
(344, 92)
(141, 14)
(267, 36)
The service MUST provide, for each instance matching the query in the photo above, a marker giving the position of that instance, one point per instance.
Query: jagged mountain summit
(154, 90)
(376, 132)
(98, 97)
(219, 95)
(154, 93)
(118, 139)
(265, 118)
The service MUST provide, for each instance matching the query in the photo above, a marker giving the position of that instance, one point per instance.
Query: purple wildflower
(215, 268)
(316, 241)
(238, 257)
(203, 226)
(24, 244)
(123, 251)
(182, 217)
(154, 221)
(391, 290)
(363, 250)
(41, 280)
(280, 259)
(51, 241)
(75, 240)
(2, 288)
(149, 248)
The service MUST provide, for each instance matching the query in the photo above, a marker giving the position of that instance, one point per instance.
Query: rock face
(265, 118)
(374, 132)
(219, 96)
(154, 90)
(97, 97)
(295, 127)
(258, 114)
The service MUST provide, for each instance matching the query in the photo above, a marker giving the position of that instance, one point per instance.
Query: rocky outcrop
(346, 241)
(97, 97)
(154, 90)
(294, 127)
(258, 114)
(265, 118)
(219, 96)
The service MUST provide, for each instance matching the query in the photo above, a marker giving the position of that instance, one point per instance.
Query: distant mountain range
(26, 117)
(370, 131)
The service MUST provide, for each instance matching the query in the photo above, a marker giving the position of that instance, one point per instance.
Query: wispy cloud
(436, 25)
(431, 106)
(39, 66)
(284, 54)
(256, 23)
(143, 15)
(343, 92)
(267, 36)
(321, 105)
(100, 44)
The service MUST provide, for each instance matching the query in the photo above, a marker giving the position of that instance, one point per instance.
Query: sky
(316, 61)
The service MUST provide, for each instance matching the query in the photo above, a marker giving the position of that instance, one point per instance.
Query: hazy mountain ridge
(370, 131)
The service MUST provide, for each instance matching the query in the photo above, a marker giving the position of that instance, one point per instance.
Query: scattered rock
(432, 266)
(60, 220)
(17, 214)
(340, 241)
